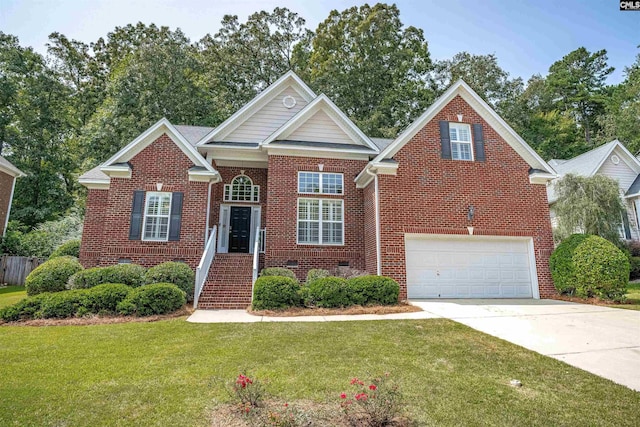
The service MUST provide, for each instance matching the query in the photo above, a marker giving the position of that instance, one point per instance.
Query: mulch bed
(403, 307)
(100, 320)
(591, 301)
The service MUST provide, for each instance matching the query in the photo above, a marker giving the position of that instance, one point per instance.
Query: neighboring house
(8, 175)
(454, 207)
(612, 160)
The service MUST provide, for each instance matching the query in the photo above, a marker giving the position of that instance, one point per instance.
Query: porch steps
(229, 283)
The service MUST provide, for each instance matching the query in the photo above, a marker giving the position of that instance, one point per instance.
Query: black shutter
(478, 142)
(625, 220)
(176, 216)
(445, 140)
(135, 227)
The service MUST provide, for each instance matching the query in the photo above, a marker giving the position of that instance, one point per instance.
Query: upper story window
(460, 135)
(156, 216)
(241, 189)
(320, 183)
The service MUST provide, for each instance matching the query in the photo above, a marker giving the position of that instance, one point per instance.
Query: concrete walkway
(241, 316)
(601, 340)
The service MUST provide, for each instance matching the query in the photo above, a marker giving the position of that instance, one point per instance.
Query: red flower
(343, 396)
(372, 387)
(361, 396)
(354, 381)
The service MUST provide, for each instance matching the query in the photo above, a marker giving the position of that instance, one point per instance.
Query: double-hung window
(460, 136)
(320, 221)
(157, 211)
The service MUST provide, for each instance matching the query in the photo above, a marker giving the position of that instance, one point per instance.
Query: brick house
(454, 207)
(8, 175)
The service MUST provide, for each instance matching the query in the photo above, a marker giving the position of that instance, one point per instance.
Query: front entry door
(239, 229)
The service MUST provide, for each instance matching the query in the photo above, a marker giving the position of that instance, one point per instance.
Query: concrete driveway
(603, 341)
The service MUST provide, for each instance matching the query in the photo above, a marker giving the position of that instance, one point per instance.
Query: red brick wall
(281, 241)
(92, 232)
(6, 184)
(432, 195)
(160, 162)
(369, 223)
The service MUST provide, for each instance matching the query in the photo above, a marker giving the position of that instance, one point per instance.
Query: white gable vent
(289, 101)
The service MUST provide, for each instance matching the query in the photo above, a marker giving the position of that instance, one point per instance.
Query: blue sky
(526, 36)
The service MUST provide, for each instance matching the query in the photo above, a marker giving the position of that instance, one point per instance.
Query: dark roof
(635, 187)
(381, 143)
(193, 134)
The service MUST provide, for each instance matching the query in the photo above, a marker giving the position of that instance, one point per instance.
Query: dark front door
(239, 229)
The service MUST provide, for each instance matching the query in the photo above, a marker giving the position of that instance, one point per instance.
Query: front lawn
(633, 297)
(10, 295)
(163, 373)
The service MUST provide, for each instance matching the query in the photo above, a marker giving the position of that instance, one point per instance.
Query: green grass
(633, 297)
(161, 373)
(11, 295)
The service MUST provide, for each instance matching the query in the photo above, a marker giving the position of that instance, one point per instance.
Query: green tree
(589, 205)
(371, 66)
(577, 86)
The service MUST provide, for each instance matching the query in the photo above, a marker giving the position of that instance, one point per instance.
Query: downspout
(377, 208)
(6, 220)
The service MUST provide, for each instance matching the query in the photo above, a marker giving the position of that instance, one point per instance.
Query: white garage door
(468, 267)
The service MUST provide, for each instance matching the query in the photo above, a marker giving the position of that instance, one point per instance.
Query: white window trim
(467, 125)
(319, 221)
(255, 191)
(321, 174)
(147, 197)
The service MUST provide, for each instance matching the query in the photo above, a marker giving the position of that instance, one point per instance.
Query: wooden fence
(14, 269)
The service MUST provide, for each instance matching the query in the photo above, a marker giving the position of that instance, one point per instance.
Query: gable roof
(7, 167)
(193, 134)
(288, 79)
(322, 103)
(150, 135)
(484, 110)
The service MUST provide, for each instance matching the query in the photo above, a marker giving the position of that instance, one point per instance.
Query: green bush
(373, 290)
(105, 298)
(156, 298)
(52, 275)
(129, 274)
(275, 292)
(329, 292)
(70, 248)
(63, 304)
(634, 272)
(178, 273)
(278, 271)
(27, 308)
(590, 266)
(317, 273)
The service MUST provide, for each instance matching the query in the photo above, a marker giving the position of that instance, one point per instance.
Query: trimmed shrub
(70, 248)
(373, 290)
(27, 308)
(62, 304)
(275, 292)
(634, 272)
(178, 273)
(278, 271)
(317, 273)
(348, 272)
(52, 275)
(156, 298)
(590, 266)
(329, 292)
(105, 297)
(129, 274)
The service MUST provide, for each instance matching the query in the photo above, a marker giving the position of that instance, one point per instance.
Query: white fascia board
(12, 170)
(266, 95)
(484, 110)
(634, 164)
(325, 104)
(95, 184)
(117, 171)
(204, 176)
(288, 150)
(150, 135)
(541, 178)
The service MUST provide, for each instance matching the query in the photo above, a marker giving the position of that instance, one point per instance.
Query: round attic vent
(289, 101)
(615, 159)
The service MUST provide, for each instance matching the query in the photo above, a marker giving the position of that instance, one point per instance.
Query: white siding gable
(321, 128)
(267, 119)
(620, 172)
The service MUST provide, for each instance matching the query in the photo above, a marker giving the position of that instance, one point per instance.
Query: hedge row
(278, 292)
(65, 272)
(108, 298)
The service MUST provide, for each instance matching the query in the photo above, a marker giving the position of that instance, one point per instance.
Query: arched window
(241, 189)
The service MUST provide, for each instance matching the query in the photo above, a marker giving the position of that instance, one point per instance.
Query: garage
(445, 266)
